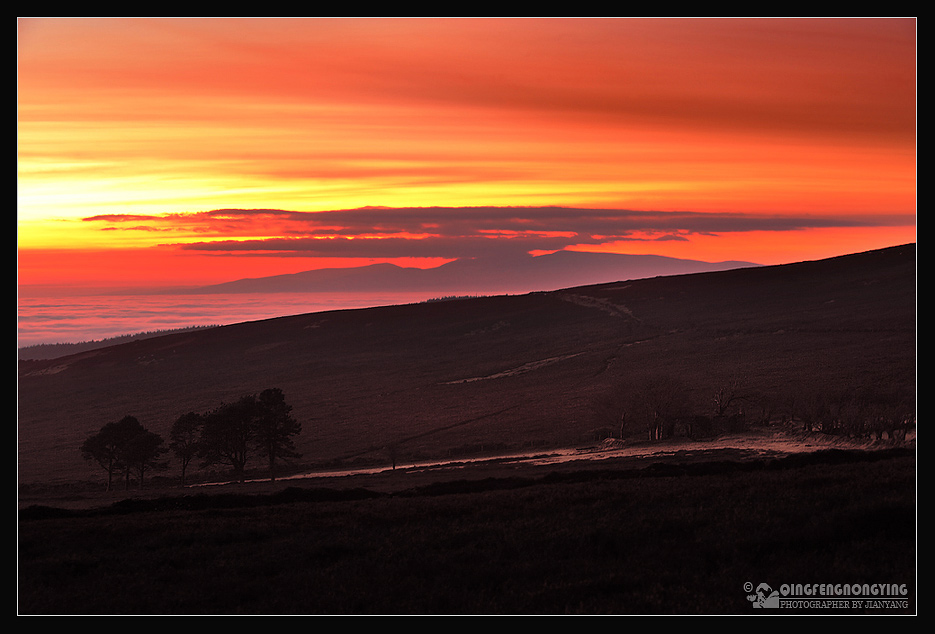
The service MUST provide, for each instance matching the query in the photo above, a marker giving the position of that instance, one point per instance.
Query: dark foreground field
(657, 538)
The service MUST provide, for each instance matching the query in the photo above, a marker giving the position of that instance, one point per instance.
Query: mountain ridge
(561, 269)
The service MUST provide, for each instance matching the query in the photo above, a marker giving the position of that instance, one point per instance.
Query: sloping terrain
(454, 377)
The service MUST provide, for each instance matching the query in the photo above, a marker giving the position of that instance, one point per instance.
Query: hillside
(536, 370)
(55, 350)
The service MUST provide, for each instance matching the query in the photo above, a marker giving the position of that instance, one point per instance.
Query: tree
(275, 428)
(184, 439)
(111, 447)
(228, 433)
(611, 409)
(727, 394)
(232, 433)
(659, 401)
(102, 448)
(142, 453)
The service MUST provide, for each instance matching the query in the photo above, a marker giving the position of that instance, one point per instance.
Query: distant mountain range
(563, 269)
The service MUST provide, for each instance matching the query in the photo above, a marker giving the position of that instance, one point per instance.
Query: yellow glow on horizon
(152, 117)
(767, 248)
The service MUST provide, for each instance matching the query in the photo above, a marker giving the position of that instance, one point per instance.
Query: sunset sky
(193, 151)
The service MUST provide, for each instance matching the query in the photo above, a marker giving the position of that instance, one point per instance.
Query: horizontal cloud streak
(765, 140)
(721, 74)
(454, 232)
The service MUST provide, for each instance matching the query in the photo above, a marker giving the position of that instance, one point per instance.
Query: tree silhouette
(612, 409)
(122, 445)
(392, 452)
(227, 434)
(184, 439)
(275, 428)
(142, 453)
(260, 423)
(727, 394)
(658, 401)
(102, 448)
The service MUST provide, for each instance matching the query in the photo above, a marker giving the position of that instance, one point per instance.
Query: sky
(163, 152)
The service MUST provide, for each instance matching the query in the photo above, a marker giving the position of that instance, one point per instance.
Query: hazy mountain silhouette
(516, 275)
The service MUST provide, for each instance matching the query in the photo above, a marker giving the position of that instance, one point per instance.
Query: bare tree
(659, 401)
(611, 409)
(727, 395)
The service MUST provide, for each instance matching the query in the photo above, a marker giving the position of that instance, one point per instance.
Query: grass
(664, 540)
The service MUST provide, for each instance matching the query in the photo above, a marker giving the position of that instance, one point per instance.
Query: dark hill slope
(530, 370)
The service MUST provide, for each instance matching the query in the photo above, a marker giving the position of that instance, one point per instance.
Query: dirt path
(753, 445)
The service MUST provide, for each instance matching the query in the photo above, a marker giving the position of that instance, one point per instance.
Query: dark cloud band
(459, 232)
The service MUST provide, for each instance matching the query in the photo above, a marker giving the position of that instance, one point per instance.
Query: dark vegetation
(825, 349)
(230, 434)
(661, 539)
(55, 350)
(124, 446)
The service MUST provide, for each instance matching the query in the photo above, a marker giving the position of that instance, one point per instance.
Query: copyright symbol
(747, 587)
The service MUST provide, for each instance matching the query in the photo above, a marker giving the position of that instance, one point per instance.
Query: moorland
(823, 352)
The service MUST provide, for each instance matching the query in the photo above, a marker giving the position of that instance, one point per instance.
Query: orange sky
(425, 140)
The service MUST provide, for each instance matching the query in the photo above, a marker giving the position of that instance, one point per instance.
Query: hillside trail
(756, 444)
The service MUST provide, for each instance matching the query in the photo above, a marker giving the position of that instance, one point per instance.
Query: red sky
(190, 151)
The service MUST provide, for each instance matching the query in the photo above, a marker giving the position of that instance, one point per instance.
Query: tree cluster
(125, 447)
(232, 434)
(858, 412)
(660, 407)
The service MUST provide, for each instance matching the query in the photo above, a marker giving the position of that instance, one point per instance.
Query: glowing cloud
(767, 140)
